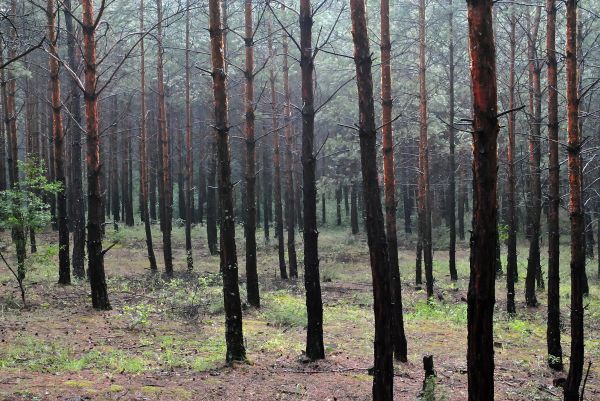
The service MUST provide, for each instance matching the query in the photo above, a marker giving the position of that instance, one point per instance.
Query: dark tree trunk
(481, 295)
(290, 204)
(94, 165)
(143, 167)
(127, 211)
(354, 209)
(535, 101)
(452, 164)
(553, 327)
(166, 190)
(338, 205)
(233, 309)
(189, 162)
(314, 304)
(424, 191)
(114, 165)
(64, 266)
(201, 181)
(77, 200)
(398, 336)
(383, 371)
(571, 387)
(267, 191)
(511, 258)
(462, 199)
(408, 207)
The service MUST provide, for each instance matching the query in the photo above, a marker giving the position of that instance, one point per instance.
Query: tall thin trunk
(267, 191)
(314, 304)
(166, 190)
(338, 205)
(95, 207)
(114, 165)
(251, 209)
(233, 309)
(462, 197)
(511, 261)
(535, 110)
(143, 167)
(77, 200)
(424, 192)
(276, 160)
(389, 184)
(290, 207)
(383, 371)
(64, 268)
(189, 163)
(452, 163)
(553, 328)
(571, 387)
(481, 295)
(128, 189)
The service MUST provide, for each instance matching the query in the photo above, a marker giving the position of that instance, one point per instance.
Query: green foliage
(138, 315)
(23, 207)
(432, 310)
(283, 309)
(430, 390)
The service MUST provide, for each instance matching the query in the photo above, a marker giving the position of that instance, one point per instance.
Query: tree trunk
(452, 164)
(383, 371)
(481, 295)
(95, 207)
(166, 190)
(338, 205)
(127, 209)
(64, 267)
(314, 304)
(323, 209)
(354, 209)
(397, 330)
(267, 190)
(553, 327)
(424, 192)
(114, 166)
(144, 152)
(290, 205)
(511, 259)
(189, 163)
(77, 200)
(533, 261)
(462, 198)
(571, 387)
(233, 309)
(251, 209)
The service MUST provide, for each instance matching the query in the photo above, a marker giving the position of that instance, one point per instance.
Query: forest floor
(164, 340)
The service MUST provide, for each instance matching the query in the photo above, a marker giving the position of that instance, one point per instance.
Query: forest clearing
(299, 200)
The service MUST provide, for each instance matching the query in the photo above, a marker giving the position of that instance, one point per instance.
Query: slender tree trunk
(354, 209)
(452, 163)
(267, 191)
(290, 205)
(114, 165)
(338, 205)
(553, 327)
(314, 304)
(276, 160)
(166, 194)
(481, 295)
(533, 261)
(251, 194)
(571, 387)
(95, 207)
(77, 200)
(64, 267)
(127, 210)
(397, 330)
(462, 198)
(233, 309)
(201, 181)
(511, 264)
(383, 371)
(144, 152)
(424, 192)
(189, 163)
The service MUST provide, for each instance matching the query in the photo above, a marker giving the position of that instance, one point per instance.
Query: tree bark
(189, 162)
(571, 387)
(535, 110)
(114, 165)
(314, 304)
(143, 167)
(233, 309)
(553, 327)
(64, 265)
(424, 192)
(166, 190)
(250, 226)
(389, 185)
(77, 200)
(452, 162)
(383, 371)
(511, 261)
(481, 295)
(94, 165)
(290, 205)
